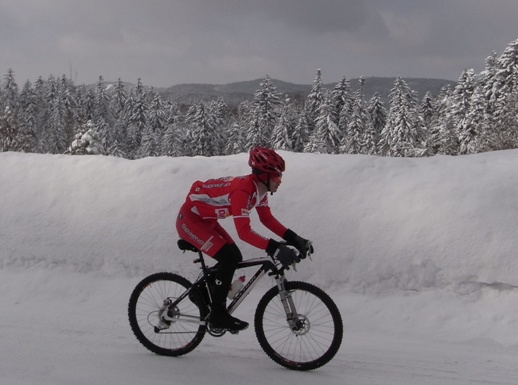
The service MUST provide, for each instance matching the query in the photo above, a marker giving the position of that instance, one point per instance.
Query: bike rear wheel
(184, 332)
(315, 339)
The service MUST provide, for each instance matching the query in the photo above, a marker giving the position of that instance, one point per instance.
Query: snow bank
(406, 246)
(378, 224)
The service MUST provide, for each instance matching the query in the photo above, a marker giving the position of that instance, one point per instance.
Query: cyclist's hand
(282, 253)
(304, 246)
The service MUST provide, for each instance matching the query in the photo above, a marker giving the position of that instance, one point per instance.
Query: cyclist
(208, 201)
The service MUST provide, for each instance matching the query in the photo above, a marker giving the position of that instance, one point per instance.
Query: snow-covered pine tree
(56, 138)
(313, 102)
(118, 98)
(87, 141)
(219, 113)
(154, 128)
(300, 136)
(400, 136)
(443, 138)
(359, 131)
(474, 134)
(237, 132)
(135, 116)
(342, 99)
(378, 115)
(461, 102)
(174, 136)
(9, 113)
(505, 98)
(265, 116)
(285, 127)
(29, 119)
(103, 116)
(9, 128)
(200, 130)
(325, 139)
(9, 94)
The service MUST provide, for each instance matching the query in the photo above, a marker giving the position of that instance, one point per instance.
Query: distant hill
(235, 93)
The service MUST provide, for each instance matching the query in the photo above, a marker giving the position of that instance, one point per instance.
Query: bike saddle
(186, 246)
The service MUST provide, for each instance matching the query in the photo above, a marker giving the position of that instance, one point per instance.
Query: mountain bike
(296, 323)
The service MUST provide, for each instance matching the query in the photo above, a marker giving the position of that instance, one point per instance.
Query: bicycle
(296, 323)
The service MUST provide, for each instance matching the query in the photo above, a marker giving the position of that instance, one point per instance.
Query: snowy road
(70, 332)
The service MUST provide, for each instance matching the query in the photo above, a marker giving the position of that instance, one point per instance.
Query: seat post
(201, 259)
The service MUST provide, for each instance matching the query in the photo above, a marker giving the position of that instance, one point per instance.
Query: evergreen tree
(443, 137)
(266, 114)
(427, 109)
(341, 100)
(56, 138)
(314, 100)
(9, 127)
(29, 119)
(173, 139)
(237, 141)
(9, 117)
(237, 134)
(474, 134)
(400, 136)
(154, 130)
(103, 116)
(9, 95)
(378, 115)
(461, 103)
(135, 116)
(325, 138)
(300, 134)
(119, 146)
(219, 112)
(359, 132)
(118, 99)
(41, 114)
(505, 98)
(87, 141)
(200, 130)
(283, 131)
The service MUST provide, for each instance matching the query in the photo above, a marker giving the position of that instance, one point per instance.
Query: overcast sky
(167, 42)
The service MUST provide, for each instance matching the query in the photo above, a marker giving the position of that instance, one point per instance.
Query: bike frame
(266, 265)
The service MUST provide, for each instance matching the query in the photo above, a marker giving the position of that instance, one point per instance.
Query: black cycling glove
(282, 253)
(304, 246)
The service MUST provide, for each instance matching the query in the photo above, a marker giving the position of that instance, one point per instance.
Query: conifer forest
(477, 113)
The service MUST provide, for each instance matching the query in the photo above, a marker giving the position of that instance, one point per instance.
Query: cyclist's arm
(239, 203)
(269, 221)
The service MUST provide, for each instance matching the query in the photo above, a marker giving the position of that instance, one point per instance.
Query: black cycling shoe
(224, 320)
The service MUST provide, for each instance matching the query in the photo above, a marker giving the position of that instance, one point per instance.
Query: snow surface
(419, 254)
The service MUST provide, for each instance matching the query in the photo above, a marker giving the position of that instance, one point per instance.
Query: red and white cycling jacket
(234, 196)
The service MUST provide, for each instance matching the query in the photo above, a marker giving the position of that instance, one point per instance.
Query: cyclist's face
(275, 181)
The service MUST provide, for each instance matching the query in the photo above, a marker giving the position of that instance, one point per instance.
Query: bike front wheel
(182, 332)
(313, 338)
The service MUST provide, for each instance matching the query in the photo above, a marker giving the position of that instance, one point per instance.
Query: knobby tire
(318, 339)
(145, 302)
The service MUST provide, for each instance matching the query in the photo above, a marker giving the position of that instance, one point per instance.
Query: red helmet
(266, 160)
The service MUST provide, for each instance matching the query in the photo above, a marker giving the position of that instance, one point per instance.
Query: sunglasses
(276, 178)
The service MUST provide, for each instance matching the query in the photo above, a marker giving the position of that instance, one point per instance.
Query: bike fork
(287, 303)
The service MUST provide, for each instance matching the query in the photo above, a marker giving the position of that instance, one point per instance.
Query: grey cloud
(176, 41)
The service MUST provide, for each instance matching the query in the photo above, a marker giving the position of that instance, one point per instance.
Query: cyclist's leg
(210, 237)
(201, 233)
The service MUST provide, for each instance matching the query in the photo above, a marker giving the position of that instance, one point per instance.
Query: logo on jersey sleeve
(245, 212)
(222, 213)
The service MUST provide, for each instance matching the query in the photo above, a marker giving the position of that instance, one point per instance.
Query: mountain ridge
(236, 92)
